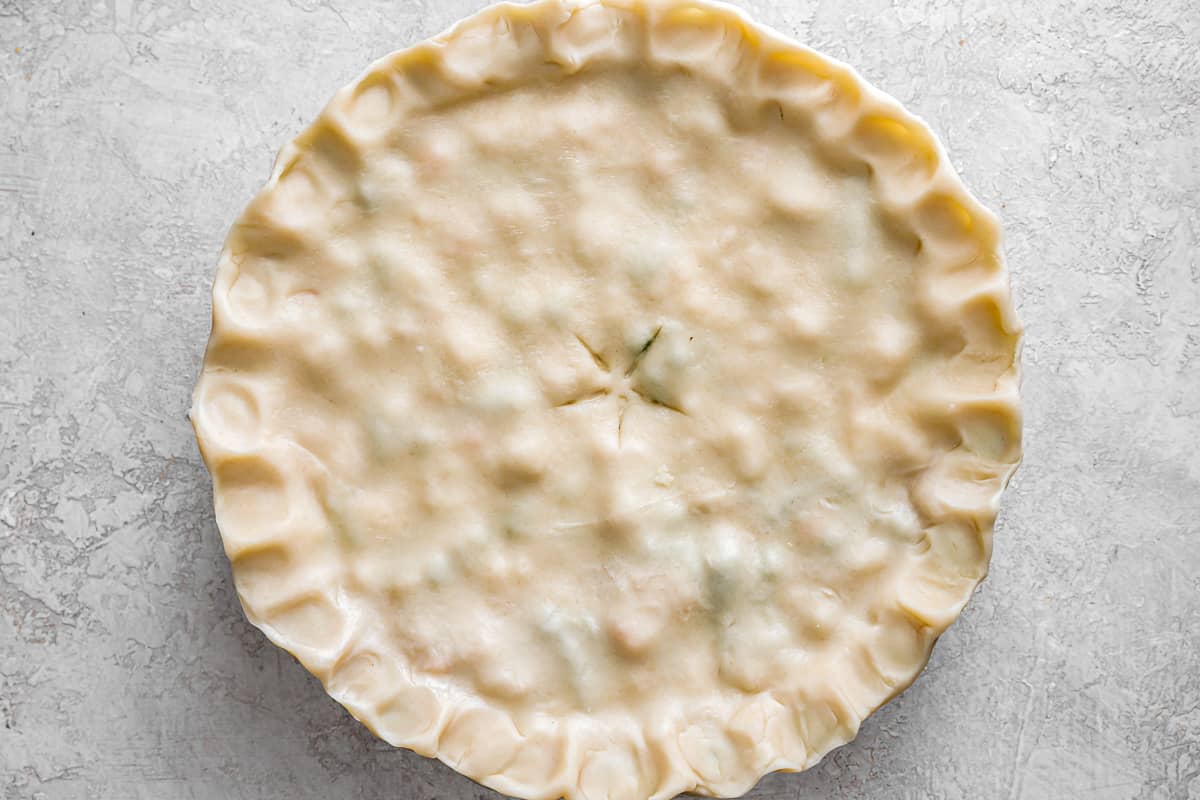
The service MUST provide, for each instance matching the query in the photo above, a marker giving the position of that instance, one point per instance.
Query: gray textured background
(132, 133)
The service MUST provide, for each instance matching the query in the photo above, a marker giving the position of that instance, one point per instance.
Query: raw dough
(611, 399)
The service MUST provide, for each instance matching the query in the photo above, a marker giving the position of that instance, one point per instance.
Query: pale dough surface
(610, 399)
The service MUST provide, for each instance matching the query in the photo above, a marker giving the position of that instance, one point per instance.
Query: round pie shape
(612, 399)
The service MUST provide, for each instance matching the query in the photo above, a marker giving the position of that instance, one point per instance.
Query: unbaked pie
(610, 398)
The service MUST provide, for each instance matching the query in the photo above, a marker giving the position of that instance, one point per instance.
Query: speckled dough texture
(611, 398)
(131, 137)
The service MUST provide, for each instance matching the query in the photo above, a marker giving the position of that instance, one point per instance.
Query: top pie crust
(612, 399)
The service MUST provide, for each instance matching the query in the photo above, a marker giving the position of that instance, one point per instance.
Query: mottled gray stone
(132, 132)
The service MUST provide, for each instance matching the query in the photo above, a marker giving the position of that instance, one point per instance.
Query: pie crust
(612, 399)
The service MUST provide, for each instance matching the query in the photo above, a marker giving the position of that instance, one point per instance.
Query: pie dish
(610, 398)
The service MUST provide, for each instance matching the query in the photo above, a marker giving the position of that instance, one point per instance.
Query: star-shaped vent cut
(622, 384)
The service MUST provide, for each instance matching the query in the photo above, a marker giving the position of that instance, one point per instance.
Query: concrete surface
(132, 132)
